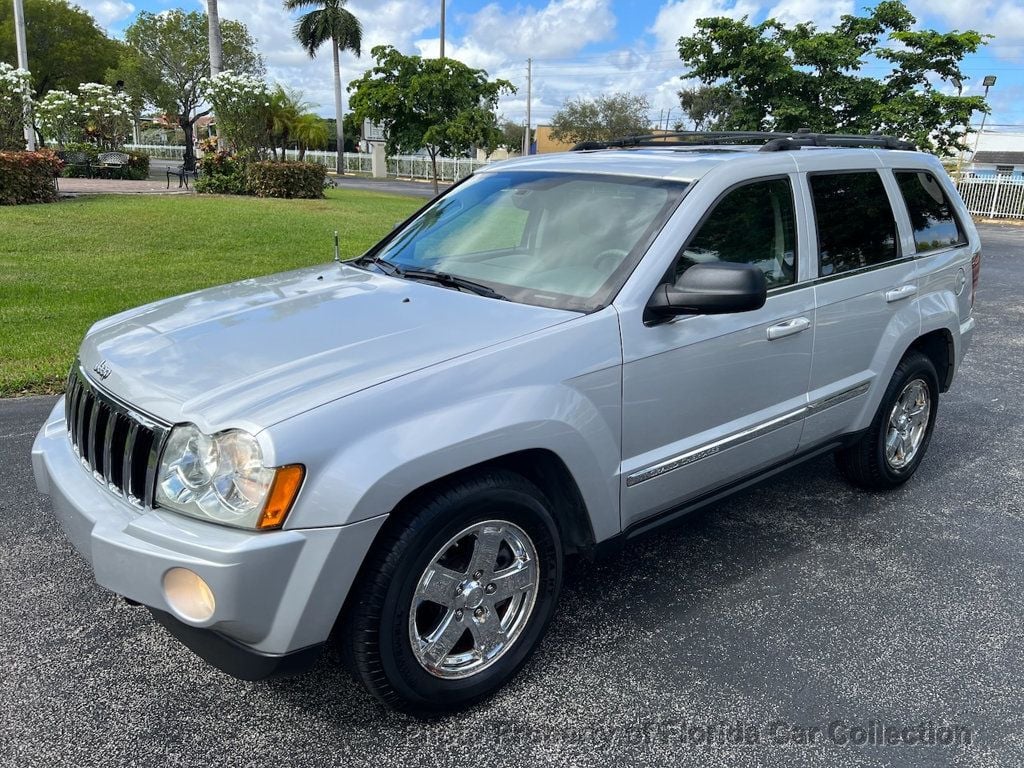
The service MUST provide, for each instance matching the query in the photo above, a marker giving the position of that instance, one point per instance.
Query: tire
(867, 463)
(387, 639)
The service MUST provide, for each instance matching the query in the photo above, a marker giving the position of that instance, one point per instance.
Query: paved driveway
(793, 606)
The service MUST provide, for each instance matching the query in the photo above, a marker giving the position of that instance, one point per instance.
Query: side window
(753, 224)
(931, 213)
(856, 226)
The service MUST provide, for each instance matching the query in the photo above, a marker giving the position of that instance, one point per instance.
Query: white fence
(993, 196)
(401, 166)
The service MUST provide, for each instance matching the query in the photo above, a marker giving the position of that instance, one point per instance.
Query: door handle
(788, 328)
(898, 294)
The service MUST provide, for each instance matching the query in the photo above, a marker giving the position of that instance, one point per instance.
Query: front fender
(559, 391)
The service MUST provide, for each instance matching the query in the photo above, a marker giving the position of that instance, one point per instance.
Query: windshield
(560, 240)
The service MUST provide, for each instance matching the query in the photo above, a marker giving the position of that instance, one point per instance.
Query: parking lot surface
(788, 626)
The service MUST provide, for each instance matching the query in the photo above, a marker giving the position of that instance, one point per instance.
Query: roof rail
(771, 141)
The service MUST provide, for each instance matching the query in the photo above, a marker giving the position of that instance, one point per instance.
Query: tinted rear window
(931, 213)
(856, 226)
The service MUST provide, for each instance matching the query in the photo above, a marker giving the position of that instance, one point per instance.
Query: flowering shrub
(59, 117)
(241, 104)
(27, 177)
(97, 112)
(285, 179)
(15, 105)
(221, 173)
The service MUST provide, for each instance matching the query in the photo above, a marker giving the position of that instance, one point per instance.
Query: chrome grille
(119, 447)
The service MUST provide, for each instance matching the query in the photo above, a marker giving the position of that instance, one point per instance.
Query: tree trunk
(216, 49)
(337, 108)
(188, 126)
(302, 152)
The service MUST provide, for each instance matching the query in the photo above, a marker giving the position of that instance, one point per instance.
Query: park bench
(108, 162)
(77, 160)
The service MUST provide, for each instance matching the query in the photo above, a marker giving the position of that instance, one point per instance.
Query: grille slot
(118, 446)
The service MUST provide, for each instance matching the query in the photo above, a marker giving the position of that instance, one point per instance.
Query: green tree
(512, 135)
(310, 132)
(65, 46)
(437, 104)
(167, 56)
(800, 76)
(607, 117)
(329, 22)
(709, 107)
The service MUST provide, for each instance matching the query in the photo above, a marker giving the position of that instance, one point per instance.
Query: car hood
(256, 352)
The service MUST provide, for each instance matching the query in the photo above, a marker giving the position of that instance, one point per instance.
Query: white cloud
(823, 13)
(678, 17)
(107, 12)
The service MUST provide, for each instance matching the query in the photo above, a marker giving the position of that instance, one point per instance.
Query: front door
(708, 399)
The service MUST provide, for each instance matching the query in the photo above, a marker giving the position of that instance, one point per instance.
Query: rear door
(864, 291)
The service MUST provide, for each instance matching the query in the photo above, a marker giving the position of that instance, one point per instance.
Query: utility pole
(442, 29)
(527, 139)
(988, 82)
(19, 36)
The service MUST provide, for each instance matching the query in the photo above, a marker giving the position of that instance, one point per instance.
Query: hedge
(27, 177)
(284, 179)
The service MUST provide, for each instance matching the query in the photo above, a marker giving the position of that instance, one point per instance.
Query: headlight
(222, 478)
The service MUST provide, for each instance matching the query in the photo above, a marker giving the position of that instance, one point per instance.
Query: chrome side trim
(746, 435)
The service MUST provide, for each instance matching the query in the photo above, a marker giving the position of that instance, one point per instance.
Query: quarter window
(753, 224)
(931, 213)
(856, 226)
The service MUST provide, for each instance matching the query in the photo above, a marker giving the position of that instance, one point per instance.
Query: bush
(137, 168)
(221, 173)
(27, 177)
(270, 179)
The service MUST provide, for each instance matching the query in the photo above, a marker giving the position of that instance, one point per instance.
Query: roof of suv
(673, 162)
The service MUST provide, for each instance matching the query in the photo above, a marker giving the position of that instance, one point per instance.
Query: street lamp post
(19, 36)
(442, 29)
(988, 82)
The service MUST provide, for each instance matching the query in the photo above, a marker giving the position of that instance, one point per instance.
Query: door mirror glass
(715, 288)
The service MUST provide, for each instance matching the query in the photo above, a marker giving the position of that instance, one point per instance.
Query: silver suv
(560, 353)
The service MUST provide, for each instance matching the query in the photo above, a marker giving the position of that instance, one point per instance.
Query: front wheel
(889, 453)
(460, 591)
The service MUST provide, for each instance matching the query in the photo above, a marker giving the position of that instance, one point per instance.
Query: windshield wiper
(385, 266)
(452, 281)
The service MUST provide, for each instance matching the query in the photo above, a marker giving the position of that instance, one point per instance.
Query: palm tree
(309, 130)
(216, 46)
(329, 21)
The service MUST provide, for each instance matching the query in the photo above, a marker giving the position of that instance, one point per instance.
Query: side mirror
(715, 288)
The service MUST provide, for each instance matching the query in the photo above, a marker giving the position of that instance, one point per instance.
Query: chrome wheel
(474, 599)
(908, 422)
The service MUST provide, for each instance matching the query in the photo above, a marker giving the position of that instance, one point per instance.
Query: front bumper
(277, 593)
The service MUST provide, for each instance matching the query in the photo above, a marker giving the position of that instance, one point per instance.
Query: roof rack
(770, 141)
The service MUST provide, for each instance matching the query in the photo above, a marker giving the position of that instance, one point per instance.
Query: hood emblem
(102, 369)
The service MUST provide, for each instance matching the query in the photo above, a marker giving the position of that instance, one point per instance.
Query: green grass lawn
(65, 265)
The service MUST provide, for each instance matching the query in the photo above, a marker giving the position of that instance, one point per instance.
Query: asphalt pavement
(787, 626)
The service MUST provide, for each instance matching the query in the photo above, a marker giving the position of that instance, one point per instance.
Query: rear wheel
(889, 453)
(461, 589)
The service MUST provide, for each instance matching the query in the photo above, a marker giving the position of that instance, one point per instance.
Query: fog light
(188, 594)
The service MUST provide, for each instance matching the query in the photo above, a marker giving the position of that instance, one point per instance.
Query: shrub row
(221, 173)
(27, 177)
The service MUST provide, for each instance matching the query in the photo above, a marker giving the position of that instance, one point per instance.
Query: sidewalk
(76, 187)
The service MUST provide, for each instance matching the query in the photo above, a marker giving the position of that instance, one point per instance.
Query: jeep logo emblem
(102, 369)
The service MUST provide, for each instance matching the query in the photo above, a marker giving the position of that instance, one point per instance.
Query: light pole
(442, 29)
(988, 82)
(19, 36)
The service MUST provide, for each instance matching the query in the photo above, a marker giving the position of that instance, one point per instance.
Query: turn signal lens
(283, 490)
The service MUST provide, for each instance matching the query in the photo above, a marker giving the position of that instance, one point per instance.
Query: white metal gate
(993, 196)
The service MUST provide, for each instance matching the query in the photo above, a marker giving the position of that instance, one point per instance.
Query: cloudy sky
(581, 47)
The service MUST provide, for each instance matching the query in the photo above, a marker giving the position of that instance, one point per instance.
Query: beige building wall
(545, 144)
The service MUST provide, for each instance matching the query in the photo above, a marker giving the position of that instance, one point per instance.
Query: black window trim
(956, 215)
(900, 255)
(788, 177)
